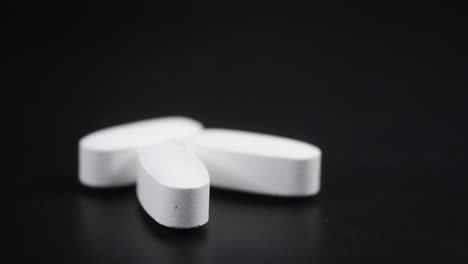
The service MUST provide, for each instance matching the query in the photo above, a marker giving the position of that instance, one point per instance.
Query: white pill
(107, 158)
(258, 163)
(173, 186)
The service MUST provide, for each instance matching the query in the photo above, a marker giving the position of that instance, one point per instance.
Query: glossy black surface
(380, 90)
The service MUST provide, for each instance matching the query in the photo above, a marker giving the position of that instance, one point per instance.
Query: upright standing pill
(258, 163)
(107, 158)
(173, 186)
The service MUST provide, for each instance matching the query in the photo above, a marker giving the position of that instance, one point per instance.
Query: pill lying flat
(173, 186)
(107, 158)
(258, 163)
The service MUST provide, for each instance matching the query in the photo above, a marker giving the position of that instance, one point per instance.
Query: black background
(378, 89)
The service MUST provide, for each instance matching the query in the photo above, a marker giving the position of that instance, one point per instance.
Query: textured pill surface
(107, 157)
(173, 186)
(258, 163)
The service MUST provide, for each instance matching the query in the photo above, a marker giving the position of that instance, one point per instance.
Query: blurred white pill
(173, 186)
(258, 163)
(107, 158)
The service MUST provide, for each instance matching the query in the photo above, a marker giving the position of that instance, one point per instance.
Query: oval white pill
(107, 158)
(258, 163)
(173, 186)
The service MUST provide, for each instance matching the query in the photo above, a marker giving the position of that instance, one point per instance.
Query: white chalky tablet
(107, 158)
(173, 186)
(258, 163)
